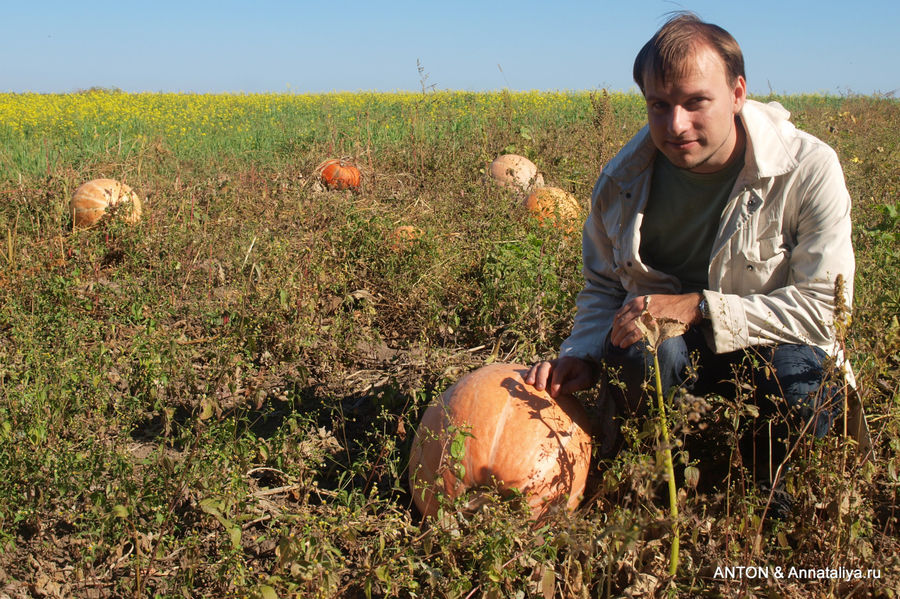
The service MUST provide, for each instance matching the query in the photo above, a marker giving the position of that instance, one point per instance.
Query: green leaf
(120, 511)
(234, 532)
(381, 573)
(267, 592)
(548, 583)
(213, 507)
(458, 447)
(206, 408)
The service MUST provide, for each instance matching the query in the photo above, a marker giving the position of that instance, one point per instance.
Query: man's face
(692, 118)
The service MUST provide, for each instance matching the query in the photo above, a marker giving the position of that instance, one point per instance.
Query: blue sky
(272, 45)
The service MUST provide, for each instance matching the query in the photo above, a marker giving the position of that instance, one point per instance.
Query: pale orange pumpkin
(553, 205)
(96, 198)
(404, 236)
(515, 172)
(513, 436)
(339, 174)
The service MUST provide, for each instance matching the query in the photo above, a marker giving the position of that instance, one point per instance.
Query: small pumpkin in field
(339, 174)
(515, 172)
(553, 205)
(404, 236)
(492, 430)
(94, 199)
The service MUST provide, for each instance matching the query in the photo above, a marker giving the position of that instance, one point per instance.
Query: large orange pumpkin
(339, 174)
(553, 205)
(508, 436)
(92, 200)
(515, 172)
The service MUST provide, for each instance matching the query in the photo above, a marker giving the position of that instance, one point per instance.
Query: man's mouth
(682, 144)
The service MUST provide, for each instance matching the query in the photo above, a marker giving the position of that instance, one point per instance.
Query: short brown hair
(669, 51)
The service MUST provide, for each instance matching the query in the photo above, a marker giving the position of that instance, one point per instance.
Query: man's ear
(739, 93)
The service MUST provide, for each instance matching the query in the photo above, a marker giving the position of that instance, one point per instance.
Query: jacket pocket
(764, 266)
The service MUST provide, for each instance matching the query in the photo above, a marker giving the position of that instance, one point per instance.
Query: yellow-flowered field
(40, 132)
(78, 127)
(199, 114)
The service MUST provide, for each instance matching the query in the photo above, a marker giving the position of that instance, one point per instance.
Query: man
(722, 215)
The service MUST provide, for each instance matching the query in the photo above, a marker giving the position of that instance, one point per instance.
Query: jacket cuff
(728, 329)
(591, 348)
(579, 352)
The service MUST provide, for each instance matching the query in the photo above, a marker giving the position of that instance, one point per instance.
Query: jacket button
(628, 263)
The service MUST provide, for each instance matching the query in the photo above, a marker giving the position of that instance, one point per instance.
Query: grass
(220, 400)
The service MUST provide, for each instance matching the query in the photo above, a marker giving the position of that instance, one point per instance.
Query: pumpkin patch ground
(229, 399)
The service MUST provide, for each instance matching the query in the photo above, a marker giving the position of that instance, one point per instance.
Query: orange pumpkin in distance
(92, 200)
(515, 172)
(339, 174)
(404, 236)
(508, 436)
(553, 205)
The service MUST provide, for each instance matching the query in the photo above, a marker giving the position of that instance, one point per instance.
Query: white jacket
(783, 239)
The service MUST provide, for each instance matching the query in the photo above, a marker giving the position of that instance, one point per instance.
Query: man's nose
(678, 121)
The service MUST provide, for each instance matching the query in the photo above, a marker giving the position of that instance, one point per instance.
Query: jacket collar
(767, 153)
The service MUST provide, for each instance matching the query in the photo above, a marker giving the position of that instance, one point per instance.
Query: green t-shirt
(681, 220)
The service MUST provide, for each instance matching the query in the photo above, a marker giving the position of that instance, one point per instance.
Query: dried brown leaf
(657, 330)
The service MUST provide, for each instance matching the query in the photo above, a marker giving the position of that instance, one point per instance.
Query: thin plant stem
(670, 469)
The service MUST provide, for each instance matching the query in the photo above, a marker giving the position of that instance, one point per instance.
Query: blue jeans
(790, 388)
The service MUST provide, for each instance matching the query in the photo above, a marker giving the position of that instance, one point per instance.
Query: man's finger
(626, 336)
(558, 376)
(571, 376)
(532, 372)
(579, 383)
(620, 332)
(537, 376)
(565, 370)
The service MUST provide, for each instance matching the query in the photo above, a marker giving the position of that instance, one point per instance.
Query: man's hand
(683, 308)
(566, 375)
